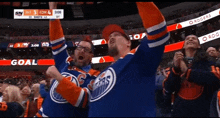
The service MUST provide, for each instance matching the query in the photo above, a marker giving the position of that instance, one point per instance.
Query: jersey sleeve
(58, 43)
(215, 105)
(42, 91)
(171, 83)
(77, 96)
(149, 52)
(200, 76)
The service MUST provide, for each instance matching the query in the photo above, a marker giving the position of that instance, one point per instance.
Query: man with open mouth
(76, 69)
(126, 87)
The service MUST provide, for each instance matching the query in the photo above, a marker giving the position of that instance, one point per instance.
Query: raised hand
(54, 73)
(43, 82)
(178, 56)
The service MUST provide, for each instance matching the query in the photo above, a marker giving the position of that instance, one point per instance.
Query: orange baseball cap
(109, 29)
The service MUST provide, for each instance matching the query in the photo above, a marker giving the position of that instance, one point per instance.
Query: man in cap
(126, 87)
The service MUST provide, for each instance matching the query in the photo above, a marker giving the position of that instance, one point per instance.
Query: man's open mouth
(81, 58)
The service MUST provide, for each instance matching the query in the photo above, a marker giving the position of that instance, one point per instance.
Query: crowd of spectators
(27, 98)
(27, 81)
(183, 15)
(165, 78)
(95, 32)
(176, 36)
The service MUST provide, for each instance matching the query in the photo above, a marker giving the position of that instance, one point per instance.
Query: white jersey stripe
(43, 115)
(57, 40)
(58, 51)
(88, 92)
(158, 43)
(41, 109)
(156, 27)
(80, 98)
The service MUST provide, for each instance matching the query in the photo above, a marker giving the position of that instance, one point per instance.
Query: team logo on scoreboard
(56, 97)
(103, 84)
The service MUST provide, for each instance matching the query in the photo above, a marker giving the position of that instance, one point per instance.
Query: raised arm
(74, 94)
(150, 51)
(57, 40)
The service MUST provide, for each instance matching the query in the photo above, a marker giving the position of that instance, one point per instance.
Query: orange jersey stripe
(93, 72)
(70, 91)
(77, 69)
(38, 115)
(57, 46)
(214, 72)
(133, 51)
(217, 70)
(85, 98)
(56, 30)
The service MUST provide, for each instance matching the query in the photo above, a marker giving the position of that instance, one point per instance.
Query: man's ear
(91, 56)
(129, 43)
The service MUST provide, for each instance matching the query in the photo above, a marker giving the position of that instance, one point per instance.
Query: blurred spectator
(210, 27)
(35, 101)
(162, 109)
(214, 55)
(1, 83)
(219, 50)
(6, 83)
(214, 107)
(191, 80)
(11, 105)
(25, 93)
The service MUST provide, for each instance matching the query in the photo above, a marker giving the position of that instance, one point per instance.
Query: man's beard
(113, 51)
(80, 65)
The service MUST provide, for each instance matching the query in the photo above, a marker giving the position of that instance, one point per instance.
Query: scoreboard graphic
(38, 13)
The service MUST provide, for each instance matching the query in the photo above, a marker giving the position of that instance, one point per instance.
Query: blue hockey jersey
(126, 88)
(54, 104)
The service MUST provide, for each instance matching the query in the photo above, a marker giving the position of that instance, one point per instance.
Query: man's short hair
(88, 39)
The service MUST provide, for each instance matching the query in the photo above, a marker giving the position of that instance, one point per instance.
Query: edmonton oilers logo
(103, 84)
(56, 97)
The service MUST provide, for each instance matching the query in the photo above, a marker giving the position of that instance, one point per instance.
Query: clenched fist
(43, 82)
(54, 73)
